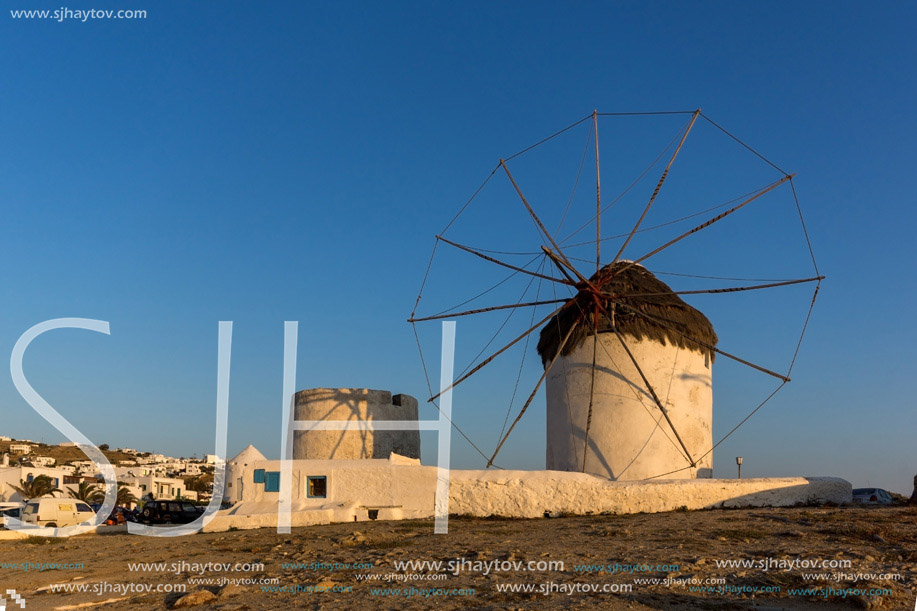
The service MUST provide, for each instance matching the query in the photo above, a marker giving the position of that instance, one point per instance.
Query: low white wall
(531, 494)
(411, 489)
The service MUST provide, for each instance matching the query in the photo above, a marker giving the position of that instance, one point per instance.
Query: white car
(56, 513)
(872, 496)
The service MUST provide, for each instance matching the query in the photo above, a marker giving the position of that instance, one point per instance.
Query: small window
(272, 481)
(318, 487)
(258, 476)
(83, 507)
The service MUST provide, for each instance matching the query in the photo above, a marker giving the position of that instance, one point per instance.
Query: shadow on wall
(354, 404)
(785, 496)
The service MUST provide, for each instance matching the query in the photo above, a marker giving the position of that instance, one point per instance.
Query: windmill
(618, 330)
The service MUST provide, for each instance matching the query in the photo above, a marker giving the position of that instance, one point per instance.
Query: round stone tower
(629, 436)
(354, 404)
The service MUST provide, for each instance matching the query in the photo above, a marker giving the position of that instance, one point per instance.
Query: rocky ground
(870, 553)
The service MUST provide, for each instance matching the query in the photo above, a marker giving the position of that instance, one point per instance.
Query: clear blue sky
(292, 161)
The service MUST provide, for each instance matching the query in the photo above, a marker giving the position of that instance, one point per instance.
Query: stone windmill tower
(604, 418)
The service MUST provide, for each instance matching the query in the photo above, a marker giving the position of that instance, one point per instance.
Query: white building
(348, 490)
(84, 466)
(13, 476)
(43, 461)
(20, 448)
(164, 488)
(236, 468)
(394, 488)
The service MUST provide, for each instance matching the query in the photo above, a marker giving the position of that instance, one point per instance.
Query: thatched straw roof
(657, 301)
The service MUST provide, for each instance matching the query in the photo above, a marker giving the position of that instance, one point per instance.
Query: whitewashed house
(160, 487)
(13, 475)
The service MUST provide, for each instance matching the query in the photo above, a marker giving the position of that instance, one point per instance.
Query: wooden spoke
(715, 219)
(703, 344)
(528, 401)
(501, 351)
(598, 201)
(534, 216)
(595, 346)
(498, 262)
(655, 397)
(733, 289)
(662, 178)
(563, 266)
(490, 309)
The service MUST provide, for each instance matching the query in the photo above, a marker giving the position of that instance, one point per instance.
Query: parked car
(872, 496)
(169, 512)
(56, 513)
(13, 512)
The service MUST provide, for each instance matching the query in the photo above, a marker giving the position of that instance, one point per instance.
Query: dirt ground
(867, 558)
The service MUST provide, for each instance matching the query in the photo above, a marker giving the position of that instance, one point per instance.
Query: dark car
(872, 496)
(15, 512)
(169, 512)
(6, 514)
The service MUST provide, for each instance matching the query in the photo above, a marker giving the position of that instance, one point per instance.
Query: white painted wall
(629, 439)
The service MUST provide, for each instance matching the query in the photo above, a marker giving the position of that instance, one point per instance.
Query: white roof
(248, 455)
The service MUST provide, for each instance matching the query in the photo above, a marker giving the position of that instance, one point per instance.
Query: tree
(88, 493)
(40, 486)
(201, 483)
(125, 496)
(104, 447)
